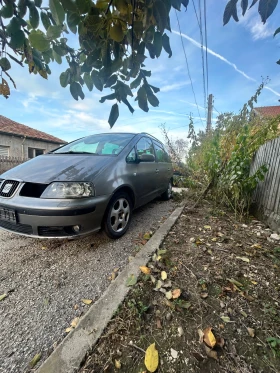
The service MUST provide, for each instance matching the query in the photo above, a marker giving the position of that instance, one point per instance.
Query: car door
(145, 172)
(164, 168)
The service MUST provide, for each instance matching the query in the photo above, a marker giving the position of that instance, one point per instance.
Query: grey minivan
(88, 184)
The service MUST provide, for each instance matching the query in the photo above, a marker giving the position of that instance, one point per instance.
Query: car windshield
(103, 144)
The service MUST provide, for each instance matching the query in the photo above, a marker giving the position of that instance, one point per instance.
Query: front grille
(8, 188)
(20, 228)
(32, 190)
(55, 231)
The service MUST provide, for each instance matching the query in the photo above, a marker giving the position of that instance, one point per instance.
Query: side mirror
(146, 158)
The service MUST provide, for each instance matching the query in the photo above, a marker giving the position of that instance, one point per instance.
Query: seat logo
(7, 188)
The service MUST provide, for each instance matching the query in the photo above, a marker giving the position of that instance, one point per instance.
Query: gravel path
(46, 279)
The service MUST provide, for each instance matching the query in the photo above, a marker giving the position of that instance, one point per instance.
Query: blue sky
(240, 54)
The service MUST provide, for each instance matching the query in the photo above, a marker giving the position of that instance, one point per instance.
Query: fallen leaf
(162, 252)
(151, 358)
(185, 304)
(145, 270)
(225, 319)
(113, 276)
(208, 227)
(159, 284)
(243, 313)
(211, 353)
(76, 307)
(214, 239)
(234, 282)
(116, 270)
(163, 275)
(35, 360)
(147, 236)
(118, 364)
(74, 322)
(180, 331)
(3, 296)
(159, 324)
(168, 303)
(203, 295)
(87, 301)
(43, 248)
(131, 280)
(176, 293)
(198, 356)
(243, 258)
(220, 342)
(251, 332)
(201, 335)
(209, 337)
(256, 246)
(68, 329)
(169, 295)
(143, 242)
(254, 282)
(167, 284)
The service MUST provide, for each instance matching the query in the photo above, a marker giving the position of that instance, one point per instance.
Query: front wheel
(118, 215)
(168, 193)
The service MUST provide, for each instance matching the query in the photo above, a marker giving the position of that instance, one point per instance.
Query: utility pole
(209, 114)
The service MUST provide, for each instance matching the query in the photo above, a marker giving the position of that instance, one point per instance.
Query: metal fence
(6, 163)
(267, 194)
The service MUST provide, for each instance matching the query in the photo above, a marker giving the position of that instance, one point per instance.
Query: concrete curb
(69, 355)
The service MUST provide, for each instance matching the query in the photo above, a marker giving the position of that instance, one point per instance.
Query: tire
(168, 193)
(118, 215)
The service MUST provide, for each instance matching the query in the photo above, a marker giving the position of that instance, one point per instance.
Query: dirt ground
(218, 310)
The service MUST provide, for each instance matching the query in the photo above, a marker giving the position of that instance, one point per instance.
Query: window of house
(34, 152)
(4, 150)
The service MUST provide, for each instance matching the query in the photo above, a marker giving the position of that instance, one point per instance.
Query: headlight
(68, 190)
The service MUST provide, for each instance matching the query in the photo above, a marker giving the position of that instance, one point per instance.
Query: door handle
(157, 170)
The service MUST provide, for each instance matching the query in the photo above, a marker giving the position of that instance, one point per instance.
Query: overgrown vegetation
(221, 159)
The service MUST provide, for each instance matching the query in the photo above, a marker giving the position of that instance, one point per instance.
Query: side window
(166, 157)
(131, 156)
(145, 146)
(159, 153)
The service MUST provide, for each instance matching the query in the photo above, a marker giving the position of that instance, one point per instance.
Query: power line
(202, 52)
(186, 58)
(206, 44)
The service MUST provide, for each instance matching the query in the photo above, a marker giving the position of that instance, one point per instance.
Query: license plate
(8, 215)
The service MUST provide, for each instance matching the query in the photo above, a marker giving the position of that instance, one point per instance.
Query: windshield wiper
(73, 152)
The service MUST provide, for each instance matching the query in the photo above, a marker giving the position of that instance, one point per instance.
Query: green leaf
(111, 81)
(57, 11)
(7, 10)
(59, 50)
(54, 32)
(266, 8)
(276, 32)
(13, 26)
(88, 80)
(160, 14)
(57, 57)
(45, 20)
(38, 3)
(69, 5)
(35, 360)
(146, 72)
(73, 20)
(39, 41)
(116, 33)
(17, 39)
(142, 99)
(33, 16)
(136, 82)
(153, 100)
(65, 78)
(132, 279)
(96, 80)
(83, 6)
(5, 64)
(166, 45)
(3, 296)
(244, 6)
(114, 114)
(155, 89)
(22, 8)
(76, 91)
(278, 62)
(108, 97)
(253, 3)
(125, 101)
(176, 4)
(157, 43)
(185, 3)
(230, 11)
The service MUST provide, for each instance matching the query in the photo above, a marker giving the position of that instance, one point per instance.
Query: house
(23, 142)
(267, 111)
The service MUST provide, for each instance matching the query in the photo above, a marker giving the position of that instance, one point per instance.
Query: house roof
(9, 126)
(268, 111)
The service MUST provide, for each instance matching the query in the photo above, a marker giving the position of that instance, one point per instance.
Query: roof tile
(268, 111)
(9, 126)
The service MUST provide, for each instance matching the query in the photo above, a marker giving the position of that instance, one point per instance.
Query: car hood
(59, 167)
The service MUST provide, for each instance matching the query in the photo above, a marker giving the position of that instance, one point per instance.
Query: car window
(103, 144)
(160, 153)
(131, 156)
(145, 146)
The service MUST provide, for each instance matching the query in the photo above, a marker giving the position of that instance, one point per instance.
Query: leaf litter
(212, 275)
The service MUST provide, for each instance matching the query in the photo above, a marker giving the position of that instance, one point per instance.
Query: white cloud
(172, 87)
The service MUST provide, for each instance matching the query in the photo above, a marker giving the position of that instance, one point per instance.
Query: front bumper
(54, 218)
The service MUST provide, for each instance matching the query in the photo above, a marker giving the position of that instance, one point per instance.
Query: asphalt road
(46, 279)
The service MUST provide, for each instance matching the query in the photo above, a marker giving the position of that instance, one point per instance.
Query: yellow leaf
(209, 337)
(169, 295)
(151, 358)
(207, 227)
(243, 258)
(256, 246)
(176, 293)
(251, 332)
(68, 329)
(118, 364)
(74, 322)
(163, 275)
(35, 360)
(254, 282)
(145, 270)
(87, 301)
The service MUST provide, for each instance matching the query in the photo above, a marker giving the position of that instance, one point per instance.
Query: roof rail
(146, 133)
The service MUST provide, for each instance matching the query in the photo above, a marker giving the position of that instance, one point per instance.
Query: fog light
(76, 228)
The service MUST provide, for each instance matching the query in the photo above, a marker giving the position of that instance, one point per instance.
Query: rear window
(104, 144)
